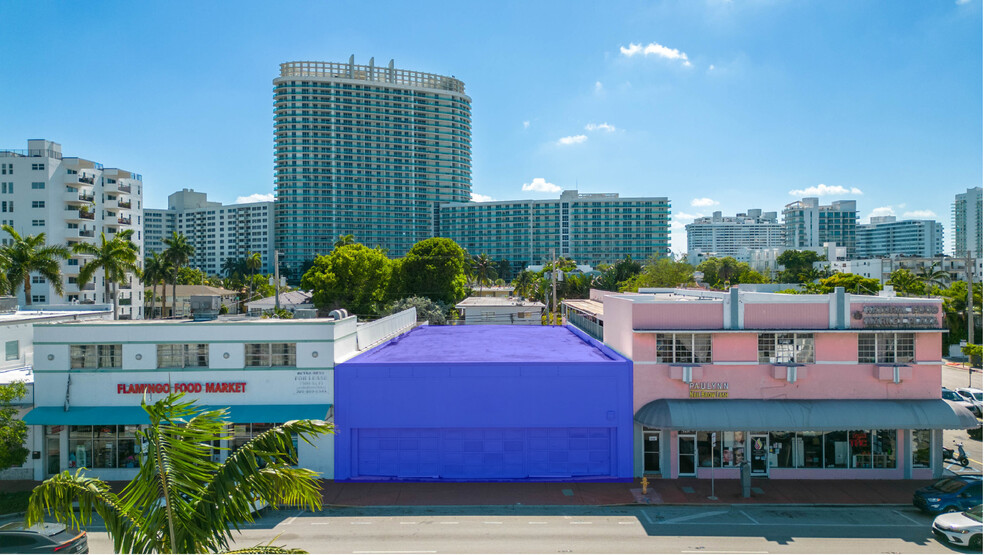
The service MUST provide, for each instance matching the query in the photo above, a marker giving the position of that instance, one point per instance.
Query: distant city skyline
(716, 105)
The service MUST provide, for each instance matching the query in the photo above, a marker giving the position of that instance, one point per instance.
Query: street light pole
(276, 281)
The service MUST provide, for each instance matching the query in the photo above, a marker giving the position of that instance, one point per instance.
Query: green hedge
(15, 502)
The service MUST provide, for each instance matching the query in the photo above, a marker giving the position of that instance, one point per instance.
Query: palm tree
(523, 284)
(483, 268)
(28, 254)
(904, 282)
(178, 252)
(252, 262)
(116, 257)
(933, 276)
(344, 240)
(4, 264)
(155, 269)
(181, 501)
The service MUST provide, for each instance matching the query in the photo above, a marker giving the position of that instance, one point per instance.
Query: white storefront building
(90, 379)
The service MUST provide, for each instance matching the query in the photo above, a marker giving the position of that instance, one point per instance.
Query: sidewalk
(682, 491)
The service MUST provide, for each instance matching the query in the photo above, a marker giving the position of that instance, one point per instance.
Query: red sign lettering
(212, 387)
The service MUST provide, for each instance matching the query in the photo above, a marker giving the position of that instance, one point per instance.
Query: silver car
(960, 528)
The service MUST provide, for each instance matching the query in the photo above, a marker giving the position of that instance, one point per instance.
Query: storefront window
(860, 443)
(810, 447)
(836, 449)
(129, 447)
(883, 448)
(650, 450)
(781, 450)
(104, 447)
(732, 448)
(79, 446)
(921, 442)
(705, 451)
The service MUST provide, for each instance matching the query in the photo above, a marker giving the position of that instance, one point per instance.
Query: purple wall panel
(475, 421)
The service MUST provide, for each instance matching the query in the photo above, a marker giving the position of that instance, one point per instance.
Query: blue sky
(717, 105)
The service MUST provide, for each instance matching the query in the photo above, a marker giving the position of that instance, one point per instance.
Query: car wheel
(951, 509)
(975, 541)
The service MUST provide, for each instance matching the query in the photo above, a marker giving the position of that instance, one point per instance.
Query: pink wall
(929, 347)
(777, 316)
(735, 347)
(618, 325)
(688, 315)
(839, 347)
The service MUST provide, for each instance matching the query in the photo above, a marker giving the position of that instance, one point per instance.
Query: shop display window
(781, 450)
(732, 448)
(704, 450)
(883, 450)
(129, 451)
(922, 441)
(859, 442)
(79, 447)
(105, 446)
(836, 450)
(812, 446)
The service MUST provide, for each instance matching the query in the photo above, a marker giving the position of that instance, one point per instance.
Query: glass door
(687, 449)
(650, 450)
(760, 454)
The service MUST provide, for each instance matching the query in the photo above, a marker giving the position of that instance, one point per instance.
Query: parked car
(949, 495)
(976, 433)
(960, 528)
(49, 537)
(974, 396)
(951, 395)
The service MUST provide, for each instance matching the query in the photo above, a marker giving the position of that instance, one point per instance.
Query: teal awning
(238, 414)
(792, 415)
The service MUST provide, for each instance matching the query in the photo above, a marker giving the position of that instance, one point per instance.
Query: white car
(972, 395)
(951, 395)
(960, 528)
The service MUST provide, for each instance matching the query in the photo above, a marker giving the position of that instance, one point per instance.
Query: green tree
(29, 253)
(906, 283)
(433, 268)
(660, 272)
(177, 253)
(933, 276)
(612, 277)
(192, 276)
(525, 283)
(344, 240)
(972, 351)
(503, 269)
(797, 266)
(852, 283)
(116, 258)
(428, 310)
(252, 262)
(483, 270)
(13, 431)
(181, 501)
(4, 265)
(154, 271)
(955, 311)
(353, 277)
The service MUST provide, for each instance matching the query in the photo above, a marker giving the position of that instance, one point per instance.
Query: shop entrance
(760, 454)
(650, 449)
(687, 448)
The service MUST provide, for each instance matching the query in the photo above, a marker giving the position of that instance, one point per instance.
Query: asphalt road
(955, 378)
(737, 529)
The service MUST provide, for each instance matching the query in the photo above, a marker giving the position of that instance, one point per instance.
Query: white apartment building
(968, 223)
(218, 232)
(733, 236)
(810, 224)
(71, 200)
(886, 237)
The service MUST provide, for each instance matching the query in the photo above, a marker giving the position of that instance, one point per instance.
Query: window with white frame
(182, 355)
(785, 348)
(96, 356)
(886, 348)
(271, 354)
(683, 348)
(12, 350)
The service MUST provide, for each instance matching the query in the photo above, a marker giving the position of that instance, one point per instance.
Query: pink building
(799, 386)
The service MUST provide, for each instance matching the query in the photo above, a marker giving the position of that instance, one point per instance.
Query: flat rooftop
(435, 344)
(498, 301)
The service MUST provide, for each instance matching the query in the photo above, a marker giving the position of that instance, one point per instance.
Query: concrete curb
(738, 504)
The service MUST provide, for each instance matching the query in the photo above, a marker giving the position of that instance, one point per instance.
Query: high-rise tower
(367, 151)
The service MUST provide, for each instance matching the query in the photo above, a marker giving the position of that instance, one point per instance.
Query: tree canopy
(433, 268)
(661, 272)
(434, 313)
(353, 277)
(798, 266)
(618, 273)
(13, 431)
(723, 272)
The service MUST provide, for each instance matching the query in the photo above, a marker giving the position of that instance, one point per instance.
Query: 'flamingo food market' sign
(207, 387)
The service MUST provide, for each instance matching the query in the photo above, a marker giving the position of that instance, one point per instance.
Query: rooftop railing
(30, 153)
(372, 73)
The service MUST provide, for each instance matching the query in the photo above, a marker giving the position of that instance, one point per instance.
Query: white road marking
(447, 523)
(291, 520)
(409, 523)
(360, 523)
(581, 522)
(693, 517)
(537, 522)
(748, 516)
(402, 551)
(491, 523)
(709, 551)
(907, 517)
(630, 522)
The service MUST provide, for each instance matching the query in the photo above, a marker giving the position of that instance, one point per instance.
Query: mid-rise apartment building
(71, 200)
(590, 228)
(731, 236)
(885, 236)
(218, 232)
(809, 224)
(967, 223)
(367, 151)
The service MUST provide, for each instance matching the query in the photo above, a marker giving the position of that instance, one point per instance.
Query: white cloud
(599, 127)
(710, 67)
(920, 215)
(880, 212)
(962, 2)
(478, 197)
(572, 140)
(822, 190)
(526, 124)
(656, 49)
(598, 86)
(540, 185)
(704, 202)
(255, 197)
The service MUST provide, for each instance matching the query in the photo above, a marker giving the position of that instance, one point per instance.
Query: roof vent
(8, 305)
(205, 307)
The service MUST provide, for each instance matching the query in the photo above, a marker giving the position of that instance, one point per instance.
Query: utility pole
(970, 317)
(276, 281)
(553, 276)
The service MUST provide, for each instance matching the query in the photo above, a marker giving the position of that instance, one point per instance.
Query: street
(955, 378)
(736, 529)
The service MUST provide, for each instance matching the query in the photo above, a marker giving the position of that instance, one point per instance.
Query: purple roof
(487, 344)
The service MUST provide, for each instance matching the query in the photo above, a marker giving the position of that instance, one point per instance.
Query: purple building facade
(485, 403)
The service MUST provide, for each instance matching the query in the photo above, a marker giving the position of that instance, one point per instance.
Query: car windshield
(949, 485)
(975, 513)
(977, 395)
(951, 396)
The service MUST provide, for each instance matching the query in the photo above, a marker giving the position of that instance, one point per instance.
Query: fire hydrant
(645, 484)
